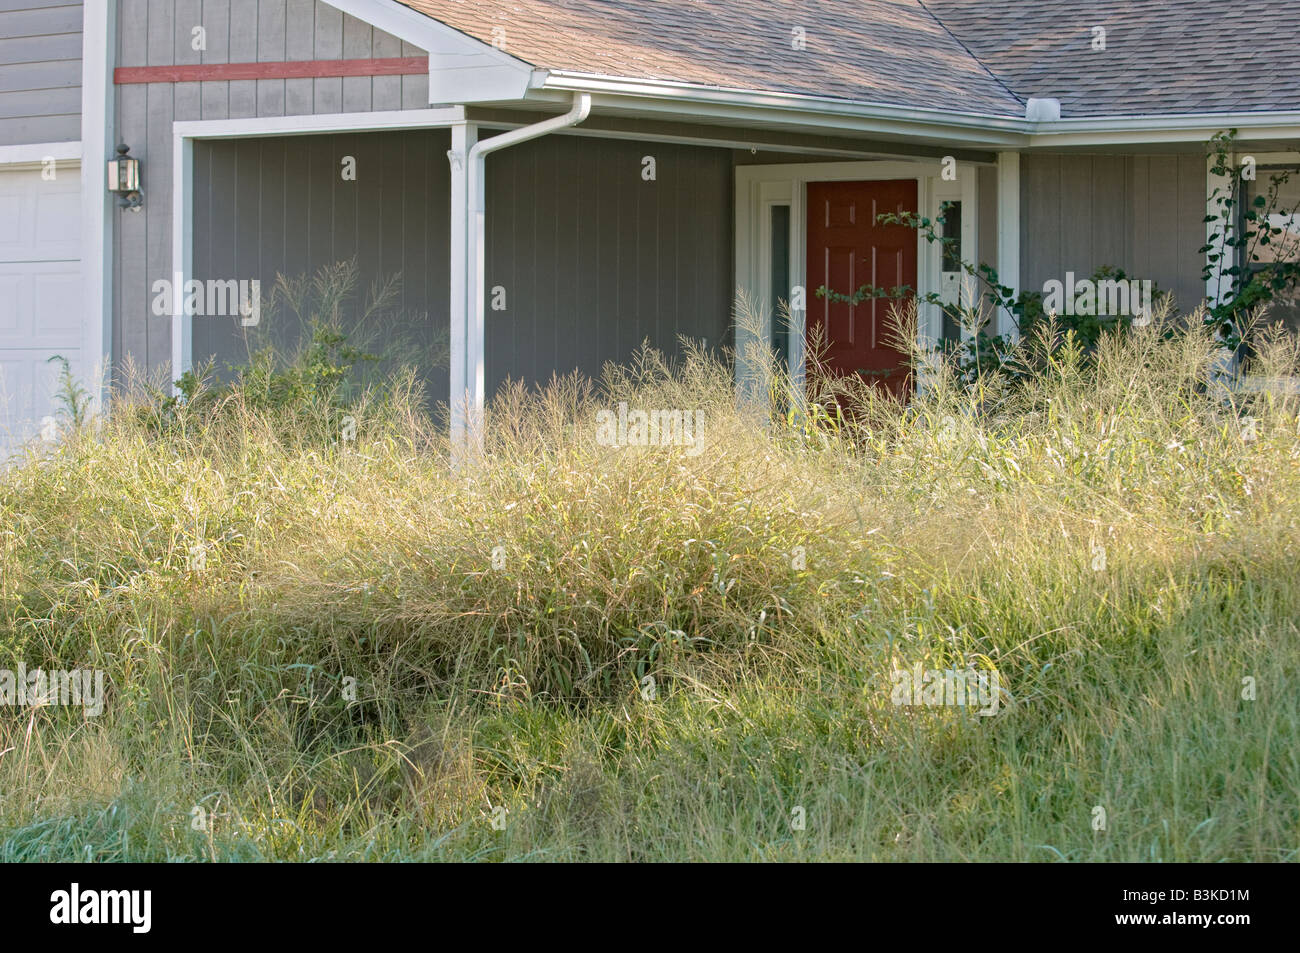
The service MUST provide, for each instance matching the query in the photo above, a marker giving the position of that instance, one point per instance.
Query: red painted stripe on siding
(289, 69)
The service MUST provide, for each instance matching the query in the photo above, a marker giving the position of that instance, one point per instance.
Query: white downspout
(467, 411)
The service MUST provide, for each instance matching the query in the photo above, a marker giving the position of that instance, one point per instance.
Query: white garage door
(42, 310)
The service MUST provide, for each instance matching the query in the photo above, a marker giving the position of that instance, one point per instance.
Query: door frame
(760, 187)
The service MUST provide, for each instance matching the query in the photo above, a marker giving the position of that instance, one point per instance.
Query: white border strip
(1008, 236)
(96, 201)
(318, 124)
(38, 152)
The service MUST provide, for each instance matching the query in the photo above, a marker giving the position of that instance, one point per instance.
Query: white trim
(461, 68)
(96, 201)
(418, 29)
(468, 403)
(1217, 232)
(319, 124)
(1141, 130)
(672, 89)
(971, 129)
(644, 97)
(1008, 235)
(463, 138)
(36, 153)
(755, 194)
(182, 252)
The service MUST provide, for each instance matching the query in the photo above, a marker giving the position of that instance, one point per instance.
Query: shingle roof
(980, 56)
(880, 51)
(1161, 56)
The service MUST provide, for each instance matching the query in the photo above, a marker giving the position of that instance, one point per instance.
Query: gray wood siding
(1141, 213)
(1169, 223)
(267, 31)
(987, 186)
(593, 260)
(265, 207)
(40, 71)
(160, 33)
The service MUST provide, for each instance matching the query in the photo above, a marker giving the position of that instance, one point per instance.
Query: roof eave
(968, 128)
(1168, 128)
(788, 109)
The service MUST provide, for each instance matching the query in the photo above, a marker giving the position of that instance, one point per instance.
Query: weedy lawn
(326, 649)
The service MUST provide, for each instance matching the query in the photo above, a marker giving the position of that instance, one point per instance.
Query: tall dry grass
(321, 648)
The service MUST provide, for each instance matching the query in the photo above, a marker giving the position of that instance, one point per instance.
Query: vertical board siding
(582, 287)
(595, 260)
(987, 240)
(1189, 284)
(279, 206)
(161, 33)
(1140, 213)
(40, 71)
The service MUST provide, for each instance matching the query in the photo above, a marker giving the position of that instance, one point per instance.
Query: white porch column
(182, 251)
(1218, 233)
(1008, 233)
(466, 334)
(467, 382)
(97, 124)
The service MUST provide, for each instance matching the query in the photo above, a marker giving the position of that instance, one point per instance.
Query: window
(950, 273)
(1280, 209)
(780, 290)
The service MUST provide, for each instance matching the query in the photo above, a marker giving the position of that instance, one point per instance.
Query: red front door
(846, 250)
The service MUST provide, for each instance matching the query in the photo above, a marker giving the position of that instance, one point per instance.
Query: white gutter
(466, 421)
(811, 112)
(1185, 127)
(969, 128)
(694, 92)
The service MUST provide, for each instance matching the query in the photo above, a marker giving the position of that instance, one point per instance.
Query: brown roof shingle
(880, 51)
(1161, 56)
(977, 56)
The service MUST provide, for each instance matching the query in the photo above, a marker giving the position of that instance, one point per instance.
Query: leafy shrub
(316, 382)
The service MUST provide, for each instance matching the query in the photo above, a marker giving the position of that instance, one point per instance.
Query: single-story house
(555, 181)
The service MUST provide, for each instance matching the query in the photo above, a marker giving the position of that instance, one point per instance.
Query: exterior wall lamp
(124, 179)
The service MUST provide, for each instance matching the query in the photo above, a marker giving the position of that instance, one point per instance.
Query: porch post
(182, 251)
(1008, 233)
(1219, 284)
(466, 342)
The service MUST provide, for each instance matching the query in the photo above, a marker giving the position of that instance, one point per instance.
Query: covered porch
(532, 242)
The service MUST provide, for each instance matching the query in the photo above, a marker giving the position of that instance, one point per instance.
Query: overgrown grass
(1118, 539)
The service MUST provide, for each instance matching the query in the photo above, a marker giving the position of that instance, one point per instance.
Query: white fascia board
(318, 123)
(965, 128)
(468, 79)
(1140, 130)
(38, 152)
(659, 96)
(461, 68)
